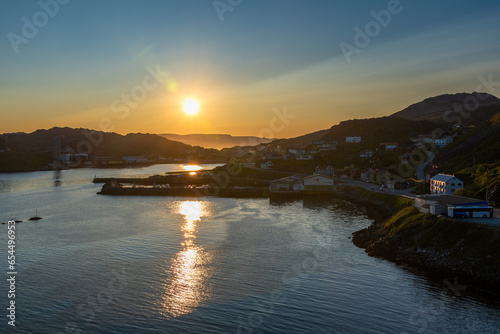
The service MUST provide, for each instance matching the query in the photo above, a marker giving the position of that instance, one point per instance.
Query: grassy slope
(482, 145)
(470, 251)
(479, 179)
(459, 239)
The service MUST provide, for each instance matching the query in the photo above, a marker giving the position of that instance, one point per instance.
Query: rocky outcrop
(440, 247)
(445, 253)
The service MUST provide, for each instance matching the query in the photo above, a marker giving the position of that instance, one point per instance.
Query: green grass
(460, 239)
(396, 202)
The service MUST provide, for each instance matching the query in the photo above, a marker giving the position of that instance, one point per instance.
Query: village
(441, 196)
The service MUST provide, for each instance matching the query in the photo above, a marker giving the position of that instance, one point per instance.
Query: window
(452, 190)
(459, 184)
(453, 184)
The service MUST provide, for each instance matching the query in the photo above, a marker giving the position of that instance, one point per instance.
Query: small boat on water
(36, 216)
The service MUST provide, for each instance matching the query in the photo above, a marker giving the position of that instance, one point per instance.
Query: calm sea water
(101, 264)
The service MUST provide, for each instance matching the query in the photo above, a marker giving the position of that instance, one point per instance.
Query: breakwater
(191, 191)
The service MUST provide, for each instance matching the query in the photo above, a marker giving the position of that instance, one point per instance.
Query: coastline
(442, 248)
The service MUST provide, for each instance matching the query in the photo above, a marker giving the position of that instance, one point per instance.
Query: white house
(266, 165)
(445, 184)
(304, 157)
(325, 170)
(366, 154)
(289, 183)
(390, 146)
(296, 150)
(330, 146)
(66, 158)
(318, 183)
(353, 139)
(442, 142)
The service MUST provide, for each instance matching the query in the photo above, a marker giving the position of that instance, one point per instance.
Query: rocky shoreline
(442, 248)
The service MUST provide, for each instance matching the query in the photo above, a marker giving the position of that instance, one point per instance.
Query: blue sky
(264, 55)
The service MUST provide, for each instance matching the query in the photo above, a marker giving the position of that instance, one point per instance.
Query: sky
(273, 68)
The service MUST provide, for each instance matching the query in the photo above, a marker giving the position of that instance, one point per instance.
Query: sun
(191, 106)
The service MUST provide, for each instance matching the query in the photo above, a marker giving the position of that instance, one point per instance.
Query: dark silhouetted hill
(435, 108)
(217, 141)
(24, 151)
(381, 129)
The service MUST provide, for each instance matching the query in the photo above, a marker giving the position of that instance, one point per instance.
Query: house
(66, 158)
(365, 175)
(296, 150)
(286, 184)
(366, 154)
(433, 171)
(353, 139)
(330, 146)
(304, 157)
(425, 138)
(325, 170)
(390, 146)
(355, 173)
(445, 184)
(342, 173)
(273, 156)
(134, 158)
(443, 141)
(267, 165)
(438, 141)
(318, 184)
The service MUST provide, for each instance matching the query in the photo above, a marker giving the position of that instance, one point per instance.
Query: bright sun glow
(192, 168)
(191, 106)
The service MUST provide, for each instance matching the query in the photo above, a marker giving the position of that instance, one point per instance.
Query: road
(419, 170)
(376, 188)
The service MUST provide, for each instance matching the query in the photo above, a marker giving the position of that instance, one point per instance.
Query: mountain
(418, 118)
(442, 107)
(217, 141)
(22, 151)
(380, 129)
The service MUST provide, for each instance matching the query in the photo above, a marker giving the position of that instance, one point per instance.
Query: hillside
(441, 247)
(381, 129)
(479, 146)
(301, 140)
(34, 150)
(217, 141)
(434, 108)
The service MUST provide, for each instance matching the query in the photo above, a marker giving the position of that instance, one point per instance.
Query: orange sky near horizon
(105, 74)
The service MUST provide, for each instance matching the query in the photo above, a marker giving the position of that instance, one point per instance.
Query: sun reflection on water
(186, 287)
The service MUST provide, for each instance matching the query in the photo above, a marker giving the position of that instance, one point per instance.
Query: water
(100, 264)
